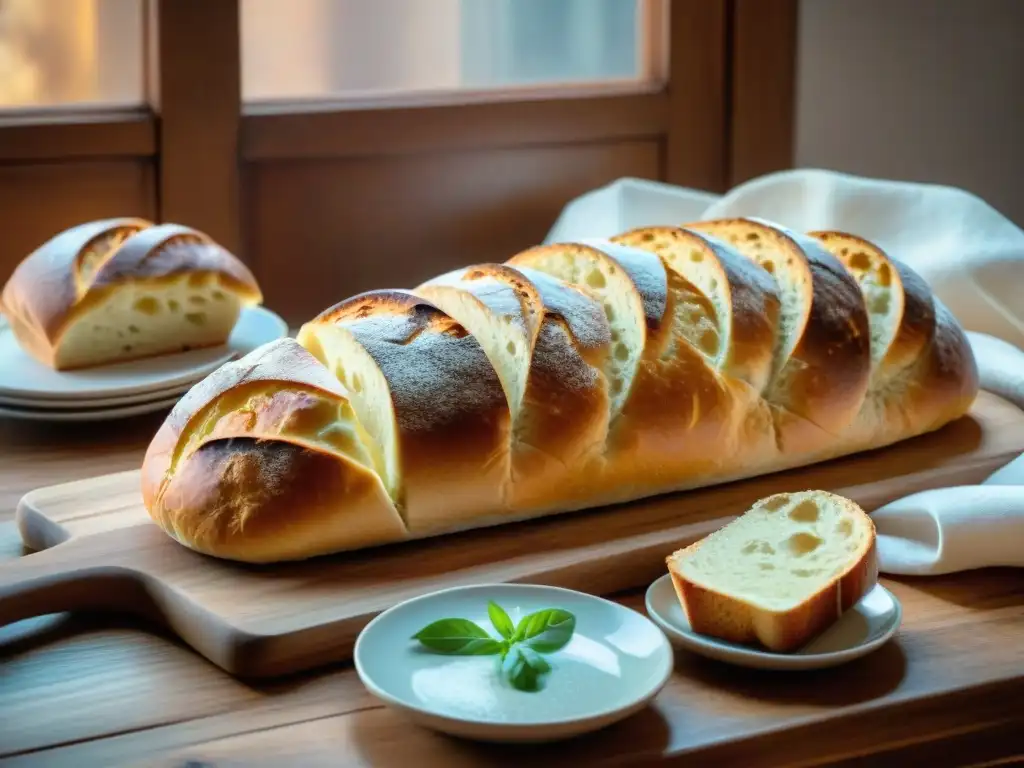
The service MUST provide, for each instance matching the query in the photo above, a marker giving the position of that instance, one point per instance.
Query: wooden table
(105, 691)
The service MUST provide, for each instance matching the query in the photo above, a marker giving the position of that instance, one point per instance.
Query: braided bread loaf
(121, 289)
(572, 376)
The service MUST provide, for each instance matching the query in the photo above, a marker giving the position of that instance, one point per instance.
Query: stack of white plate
(31, 390)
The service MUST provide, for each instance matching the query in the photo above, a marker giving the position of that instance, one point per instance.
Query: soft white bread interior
(781, 573)
(122, 289)
(582, 374)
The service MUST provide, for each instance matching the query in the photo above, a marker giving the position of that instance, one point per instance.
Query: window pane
(71, 52)
(308, 49)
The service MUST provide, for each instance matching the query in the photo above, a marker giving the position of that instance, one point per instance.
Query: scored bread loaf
(573, 375)
(121, 289)
(781, 573)
(266, 458)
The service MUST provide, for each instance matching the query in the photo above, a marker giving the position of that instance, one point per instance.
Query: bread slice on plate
(781, 573)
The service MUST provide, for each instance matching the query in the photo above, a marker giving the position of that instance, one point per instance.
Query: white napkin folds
(970, 255)
(955, 529)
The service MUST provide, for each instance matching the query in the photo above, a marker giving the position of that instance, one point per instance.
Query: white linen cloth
(970, 255)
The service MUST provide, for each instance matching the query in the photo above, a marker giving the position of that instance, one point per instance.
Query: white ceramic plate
(22, 376)
(862, 629)
(615, 663)
(63, 404)
(91, 414)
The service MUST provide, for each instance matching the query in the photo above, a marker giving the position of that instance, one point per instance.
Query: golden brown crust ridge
(269, 500)
(282, 362)
(825, 376)
(45, 284)
(84, 266)
(165, 250)
(869, 263)
(560, 420)
(452, 441)
(748, 308)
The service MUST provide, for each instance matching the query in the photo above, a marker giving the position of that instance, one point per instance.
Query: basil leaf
(501, 620)
(518, 670)
(458, 636)
(546, 631)
(534, 659)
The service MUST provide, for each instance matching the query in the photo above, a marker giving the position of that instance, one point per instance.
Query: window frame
(731, 62)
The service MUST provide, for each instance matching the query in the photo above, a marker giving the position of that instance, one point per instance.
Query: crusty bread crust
(262, 483)
(78, 269)
(269, 500)
(735, 620)
(453, 425)
(561, 417)
(620, 398)
(45, 286)
(749, 294)
(916, 312)
(928, 375)
(825, 377)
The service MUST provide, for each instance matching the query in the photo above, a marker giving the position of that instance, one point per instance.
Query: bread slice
(899, 303)
(548, 343)
(430, 400)
(738, 333)
(668, 400)
(630, 284)
(822, 363)
(781, 573)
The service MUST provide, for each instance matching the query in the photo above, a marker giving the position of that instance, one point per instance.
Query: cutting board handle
(50, 581)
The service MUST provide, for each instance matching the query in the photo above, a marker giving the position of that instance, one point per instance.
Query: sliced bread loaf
(781, 573)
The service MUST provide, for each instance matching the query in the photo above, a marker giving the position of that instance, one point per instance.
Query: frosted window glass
(71, 52)
(311, 49)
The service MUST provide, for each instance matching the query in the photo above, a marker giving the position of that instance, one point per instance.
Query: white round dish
(63, 404)
(23, 377)
(93, 414)
(861, 630)
(614, 664)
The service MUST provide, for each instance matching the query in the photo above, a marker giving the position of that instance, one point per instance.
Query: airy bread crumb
(779, 574)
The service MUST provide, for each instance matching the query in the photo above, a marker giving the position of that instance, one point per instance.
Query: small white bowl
(615, 663)
(861, 630)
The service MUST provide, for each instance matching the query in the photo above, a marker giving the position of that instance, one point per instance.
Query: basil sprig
(519, 648)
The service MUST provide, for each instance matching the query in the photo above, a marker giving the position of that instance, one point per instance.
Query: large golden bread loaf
(571, 376)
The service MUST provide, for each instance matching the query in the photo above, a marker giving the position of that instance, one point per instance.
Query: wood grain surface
(91, 690)
(268, 621)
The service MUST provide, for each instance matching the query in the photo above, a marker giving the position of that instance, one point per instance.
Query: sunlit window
(71, 52)
(352, 49)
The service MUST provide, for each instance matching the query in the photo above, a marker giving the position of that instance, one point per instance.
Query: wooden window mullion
(697, 147)
(197, 96)
(763, 87)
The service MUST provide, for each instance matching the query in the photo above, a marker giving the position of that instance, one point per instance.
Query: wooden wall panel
(320, 231)
(698, 139)
(37, 200)
(763, 88)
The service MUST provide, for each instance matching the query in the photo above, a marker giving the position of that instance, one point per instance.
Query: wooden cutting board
(100, 551)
